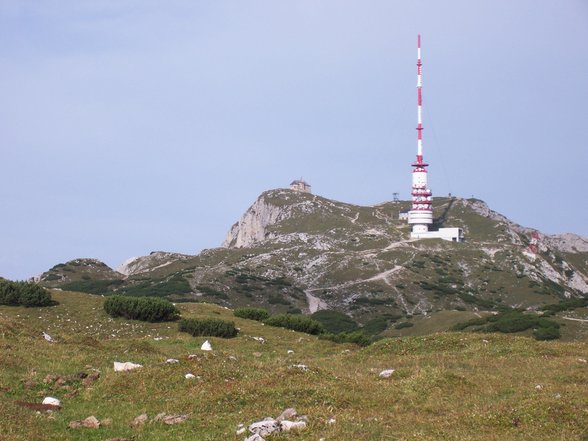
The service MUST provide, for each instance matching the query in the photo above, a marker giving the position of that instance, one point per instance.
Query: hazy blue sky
(128, 126)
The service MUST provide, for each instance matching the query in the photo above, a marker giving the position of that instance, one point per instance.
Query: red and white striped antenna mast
(421, 214)
(419, 105)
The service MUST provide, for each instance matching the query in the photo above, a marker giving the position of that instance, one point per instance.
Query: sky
(129, 126)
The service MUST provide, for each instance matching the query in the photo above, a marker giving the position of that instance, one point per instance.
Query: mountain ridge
(297, 252)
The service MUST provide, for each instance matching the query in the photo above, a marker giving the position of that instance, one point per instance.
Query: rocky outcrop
(568, 243)
(252, 227)
(155, 260)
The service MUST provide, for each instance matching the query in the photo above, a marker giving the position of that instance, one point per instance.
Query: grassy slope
(446, 386)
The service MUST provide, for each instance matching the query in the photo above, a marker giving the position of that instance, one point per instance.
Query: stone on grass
(287, 414)
(265, 427)
(48, 337)
(386, 373)
(90, 379)
(255, 437)
(126, 366)
(52, 401)
(89, 423)
(259, 339)
(140, 420)
(206, 346)
(302, 367)
(190, 376)
(241, 429)
(172, 361)
(290, 351)
(286, 425)
(331, 421)
(174, 419)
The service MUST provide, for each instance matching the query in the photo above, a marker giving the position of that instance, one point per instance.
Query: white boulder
(51, 401)
(126, 366)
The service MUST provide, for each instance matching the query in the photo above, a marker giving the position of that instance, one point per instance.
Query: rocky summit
(298, 252)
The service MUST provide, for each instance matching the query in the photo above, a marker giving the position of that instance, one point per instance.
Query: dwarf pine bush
(258, 314)
(148, 309)
(208, 328)
(298, 323)
(23, 294)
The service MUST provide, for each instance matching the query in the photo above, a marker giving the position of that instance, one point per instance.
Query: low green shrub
(403, 325)
(550, 333)
(357, 337)
(565, 305)
(258, 314)
(375, 326)
(208, 328)
(23, 294)
(298, 323)
(511, 321)
(148, 309)
(335, 322)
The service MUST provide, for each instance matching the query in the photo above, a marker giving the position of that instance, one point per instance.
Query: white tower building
(420, 215)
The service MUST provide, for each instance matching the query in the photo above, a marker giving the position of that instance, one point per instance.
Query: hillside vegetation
(446, 386)
(301, 253)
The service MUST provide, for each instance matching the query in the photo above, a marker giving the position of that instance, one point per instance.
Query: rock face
(252, 227)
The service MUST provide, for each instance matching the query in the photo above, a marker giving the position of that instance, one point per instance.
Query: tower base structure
(450, 234)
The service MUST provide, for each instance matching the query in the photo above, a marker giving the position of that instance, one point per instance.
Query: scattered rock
(140, 420)
(241, 429)
(48, 337)
(538, 387)
(206, 346)
(192, 356)
(174, 419)
(485, 341)
(286, 425)
(90, 379)
(190, 376)
(582, 360)
(52, 401)
(172, 361)
(126, 366)
(331, 421)
(302, 367)
(159, 416)
(265, 427)
(268, 426)
(89, 423)
(50, 378)
(287, 414)
(386, 373)
(290, 351)
(259, 339)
